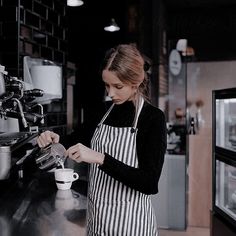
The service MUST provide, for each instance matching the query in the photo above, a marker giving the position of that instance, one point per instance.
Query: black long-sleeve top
(151, 147)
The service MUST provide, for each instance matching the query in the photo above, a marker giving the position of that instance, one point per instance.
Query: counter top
(35, 207)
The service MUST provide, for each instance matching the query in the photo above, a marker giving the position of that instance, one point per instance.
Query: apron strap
(106, 114)
(140, 106)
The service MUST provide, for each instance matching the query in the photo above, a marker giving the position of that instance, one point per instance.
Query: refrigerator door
(226, 123)
(225, 195)
(224, 162)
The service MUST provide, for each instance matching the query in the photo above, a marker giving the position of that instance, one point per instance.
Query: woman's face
(118, 91)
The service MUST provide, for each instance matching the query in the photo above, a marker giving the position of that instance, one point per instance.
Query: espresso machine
(18, 103)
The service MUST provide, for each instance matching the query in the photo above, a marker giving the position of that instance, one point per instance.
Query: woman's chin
(118, 102)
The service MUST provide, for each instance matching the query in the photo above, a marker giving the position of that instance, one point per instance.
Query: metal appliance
(45, 75)
(20, 154)
(15, 148)
(19, 103)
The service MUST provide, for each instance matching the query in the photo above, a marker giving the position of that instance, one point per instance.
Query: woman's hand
(47, 137)
(80, 153)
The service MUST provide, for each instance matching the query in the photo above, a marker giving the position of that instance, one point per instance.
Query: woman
(127, 151)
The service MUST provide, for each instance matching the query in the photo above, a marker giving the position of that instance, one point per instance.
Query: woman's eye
(119, 86)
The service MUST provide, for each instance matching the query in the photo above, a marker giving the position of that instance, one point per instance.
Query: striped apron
(115, 209)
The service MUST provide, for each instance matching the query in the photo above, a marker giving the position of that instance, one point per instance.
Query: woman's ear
(135, 87)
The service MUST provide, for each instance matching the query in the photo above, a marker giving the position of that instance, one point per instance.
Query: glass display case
(226, 123)
(225, 197)
(224, 158)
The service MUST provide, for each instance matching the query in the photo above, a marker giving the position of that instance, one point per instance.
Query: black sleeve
(151, 147)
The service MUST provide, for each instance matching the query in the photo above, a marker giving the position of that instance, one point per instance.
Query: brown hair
(127, 63)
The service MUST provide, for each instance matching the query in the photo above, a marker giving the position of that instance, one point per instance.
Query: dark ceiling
(209, 26)
(88, 41)
(86, 23)
(198, 3)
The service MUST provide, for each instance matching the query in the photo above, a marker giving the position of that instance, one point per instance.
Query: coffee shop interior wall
(210, 31)
(141, 23)
(76, 35)
(37, 29)
(65, 36)
(155, 26)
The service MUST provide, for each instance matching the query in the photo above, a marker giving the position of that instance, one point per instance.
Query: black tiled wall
(36, 28)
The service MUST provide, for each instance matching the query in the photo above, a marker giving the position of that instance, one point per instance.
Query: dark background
(87, 43)
(209, 26)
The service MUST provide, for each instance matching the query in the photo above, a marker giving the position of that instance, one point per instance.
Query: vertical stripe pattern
(115, 209)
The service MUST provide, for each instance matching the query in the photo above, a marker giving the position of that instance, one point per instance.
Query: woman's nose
(111, 93)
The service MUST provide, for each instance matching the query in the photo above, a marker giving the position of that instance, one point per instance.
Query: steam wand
(24, 122)
(41, 111)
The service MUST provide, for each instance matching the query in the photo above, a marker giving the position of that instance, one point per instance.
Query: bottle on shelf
(192, 129)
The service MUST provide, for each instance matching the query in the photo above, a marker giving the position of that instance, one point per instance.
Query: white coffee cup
(65, 177)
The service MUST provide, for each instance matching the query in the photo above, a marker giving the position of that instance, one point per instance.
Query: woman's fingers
(40, 143)
(74, 156)
(55, 137)
(43, 141)
(80, 153)
(74, 152)
(47, 137)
